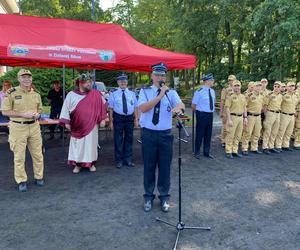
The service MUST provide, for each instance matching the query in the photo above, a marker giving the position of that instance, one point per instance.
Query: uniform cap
(122, 77)
(159, 68)
(251, 84)
(207, 77)
(277, 83)
(258, 83)
(231, 77)
(263, 80)
(236, 82)
(24, 72)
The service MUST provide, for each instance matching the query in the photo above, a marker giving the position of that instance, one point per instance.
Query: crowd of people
(259, 114)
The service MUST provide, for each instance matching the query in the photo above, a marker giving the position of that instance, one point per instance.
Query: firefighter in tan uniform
(252, 130)
(297, 120)
(250, 88)
(235, 106)
(224, 94)
(23, 106)
(272, 105)
(287, 118)
(264, 84)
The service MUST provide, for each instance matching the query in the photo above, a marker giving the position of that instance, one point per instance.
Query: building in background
(8, 7)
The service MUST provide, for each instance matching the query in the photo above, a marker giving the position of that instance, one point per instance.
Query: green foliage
(42, 79)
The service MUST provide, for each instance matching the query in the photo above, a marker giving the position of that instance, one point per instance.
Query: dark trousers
(157, 151)
(123, 137)
(4, 119)
(54, 114)
(204, 121)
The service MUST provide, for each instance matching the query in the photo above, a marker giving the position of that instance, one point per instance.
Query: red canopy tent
(50, 42)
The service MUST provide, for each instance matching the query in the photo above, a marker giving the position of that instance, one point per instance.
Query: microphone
(163, 83)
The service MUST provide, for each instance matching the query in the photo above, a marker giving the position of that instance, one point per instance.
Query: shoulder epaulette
(200, 89)
(10, 91)
(146, 87)
(113, 90)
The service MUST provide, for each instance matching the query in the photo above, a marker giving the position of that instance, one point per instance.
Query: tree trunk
(298, 68)
(186, 80)
(230, 47)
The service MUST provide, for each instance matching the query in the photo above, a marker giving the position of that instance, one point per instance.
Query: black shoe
(223, 145)
(209, 156)
(119, 165)
(244, 152)
(278, 149)
(22, 187)
(266, 151)
(164, 206)
(297, 148)
(274, 150)
(197, 156)
(130, 165)
(229, 155)
(148, 205)
(256, 152)
(287, 149)
(39, 183)
(237, 155)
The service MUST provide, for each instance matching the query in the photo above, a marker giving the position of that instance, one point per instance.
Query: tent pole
(64, 96)
(193, 114)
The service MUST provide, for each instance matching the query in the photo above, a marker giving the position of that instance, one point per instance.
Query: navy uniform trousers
(123, 137)
(157, 151)
(203, 131)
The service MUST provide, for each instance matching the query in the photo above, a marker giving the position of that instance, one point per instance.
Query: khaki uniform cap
(24, 72)
(231, 77)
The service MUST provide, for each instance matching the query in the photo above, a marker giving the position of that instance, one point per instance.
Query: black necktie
(124, 102)
(210, 101)
(155, 117)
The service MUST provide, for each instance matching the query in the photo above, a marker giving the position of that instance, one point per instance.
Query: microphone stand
(180, 226)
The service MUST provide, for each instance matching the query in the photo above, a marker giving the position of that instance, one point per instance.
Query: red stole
(89, 111)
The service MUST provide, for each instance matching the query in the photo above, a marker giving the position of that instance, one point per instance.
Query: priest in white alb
(82, 112)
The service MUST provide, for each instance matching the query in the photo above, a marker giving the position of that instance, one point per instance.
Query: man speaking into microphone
(157, 103)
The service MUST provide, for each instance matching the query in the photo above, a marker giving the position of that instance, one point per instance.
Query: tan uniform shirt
(254, 103)
(273, 101)
(266, 92)
(225, 93)
(20, 100)
(289, 103)
(236, 103)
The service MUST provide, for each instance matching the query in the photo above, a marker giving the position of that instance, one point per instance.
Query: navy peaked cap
(208, 77)
(160, 67)
(122, 77)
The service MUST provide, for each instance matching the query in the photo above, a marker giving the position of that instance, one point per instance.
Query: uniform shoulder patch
(11, 90)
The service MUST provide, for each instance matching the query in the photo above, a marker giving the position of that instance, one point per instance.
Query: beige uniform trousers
(224, 126)
(234, 134)
(271, 127)
(297, 131)
(285, 132)
(251, 133)
(20, 136)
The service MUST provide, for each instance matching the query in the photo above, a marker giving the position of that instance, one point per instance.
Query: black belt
(117, 114)
(236, 114)
(287, 113)
(24, 122)
(274, 111)
(251, 114)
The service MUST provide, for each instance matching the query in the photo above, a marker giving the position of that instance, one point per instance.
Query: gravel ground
(250, 203)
